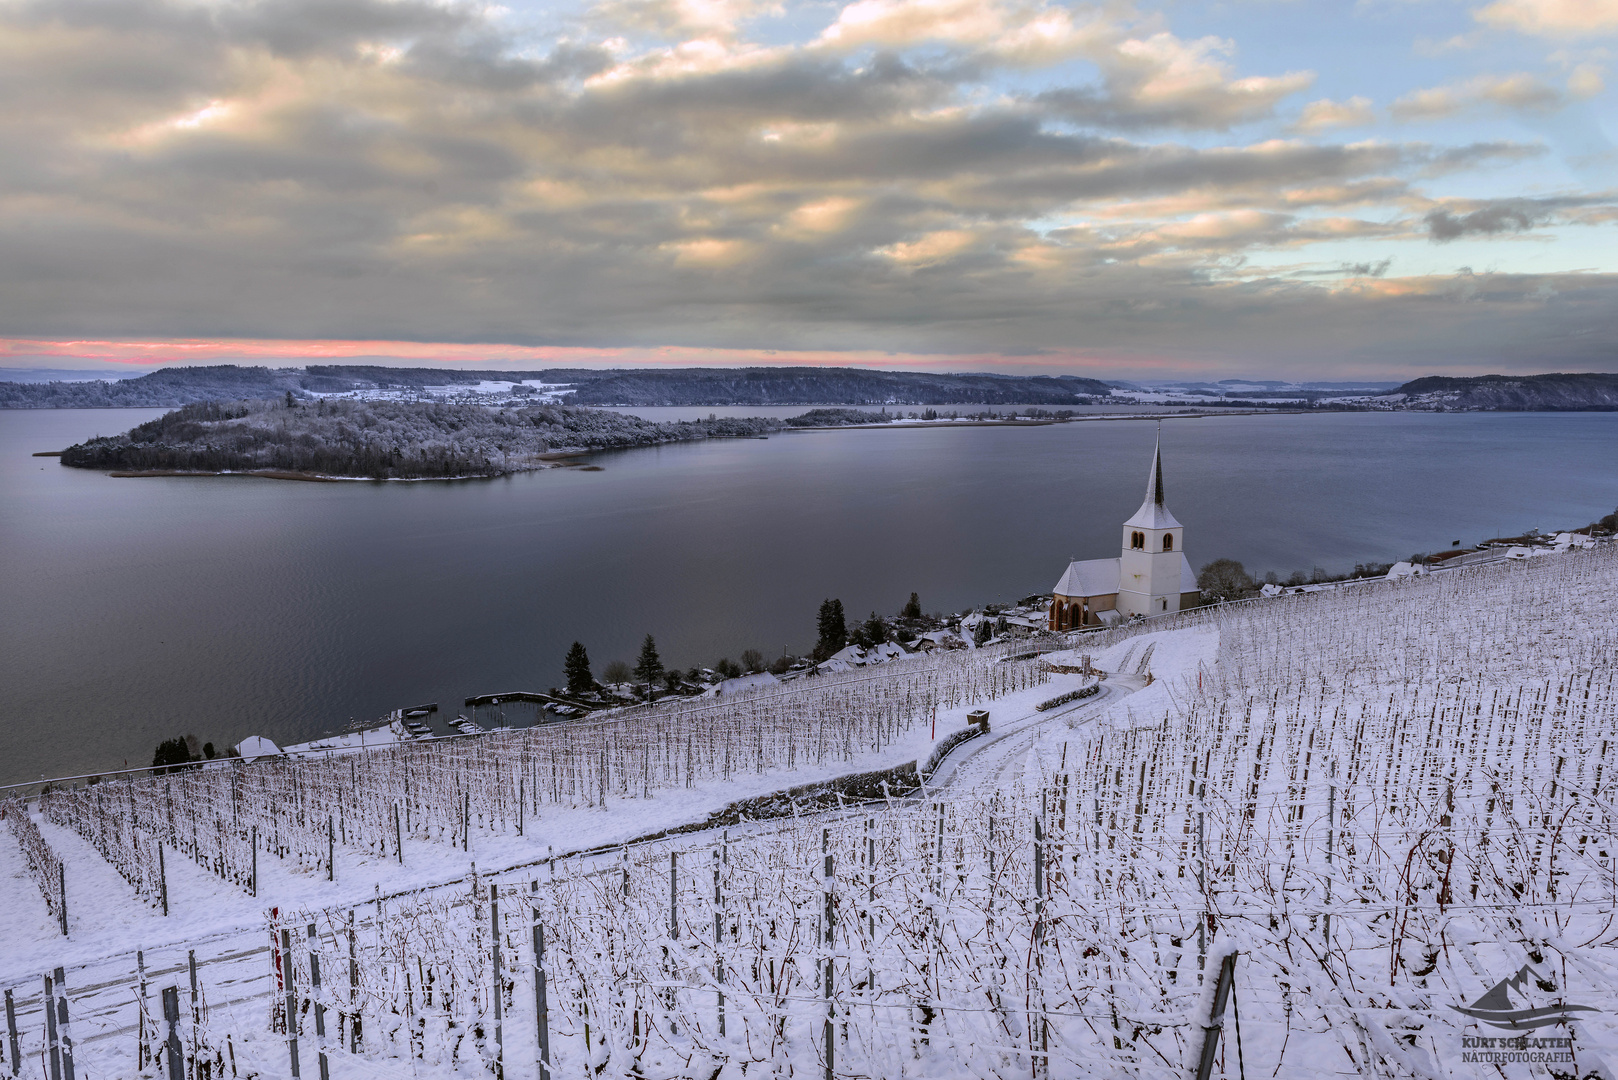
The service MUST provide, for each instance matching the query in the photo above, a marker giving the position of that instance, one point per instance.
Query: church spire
(1154, 482)
(1153, 512)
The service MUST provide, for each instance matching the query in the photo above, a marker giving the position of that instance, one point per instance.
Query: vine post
(499, 989)
(171, 1046)
(292, 1001)
(831, 1008)
(320, 1007)
(1216, 1017)
(11, 1033)
(50, 1030)
(539, 985)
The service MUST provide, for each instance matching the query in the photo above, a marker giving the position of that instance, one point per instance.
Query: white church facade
(1151, 576)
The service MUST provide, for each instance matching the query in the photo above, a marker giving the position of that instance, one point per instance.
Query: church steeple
(1153, 512)
(1150, 576)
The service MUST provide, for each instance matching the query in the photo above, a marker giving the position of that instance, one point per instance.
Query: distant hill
(826, 386)
(1585, 392)
(173, 387)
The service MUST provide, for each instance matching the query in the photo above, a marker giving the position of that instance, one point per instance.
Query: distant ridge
(173, 387)
(826, 386)
(1582, 392)
(791, 386)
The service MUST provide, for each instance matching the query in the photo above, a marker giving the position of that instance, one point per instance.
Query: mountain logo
(1504, 1006)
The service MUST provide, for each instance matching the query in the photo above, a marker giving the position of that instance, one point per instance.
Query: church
(1150, 577)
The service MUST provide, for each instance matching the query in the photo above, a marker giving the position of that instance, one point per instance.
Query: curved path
(994, 758)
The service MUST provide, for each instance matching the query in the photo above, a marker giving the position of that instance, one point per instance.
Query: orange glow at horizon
(17, 351)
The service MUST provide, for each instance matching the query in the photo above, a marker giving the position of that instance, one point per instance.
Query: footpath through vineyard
(1385, 811)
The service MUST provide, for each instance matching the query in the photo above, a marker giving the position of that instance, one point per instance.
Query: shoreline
(577, 459)
(1041, 421)
(561, 459)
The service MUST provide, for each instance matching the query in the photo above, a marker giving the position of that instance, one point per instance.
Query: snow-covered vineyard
(1373, 806)
(227, 818)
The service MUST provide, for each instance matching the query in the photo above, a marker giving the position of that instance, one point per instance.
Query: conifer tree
(171, 753)
(875, 631)
(833, 630)
(912, 610)
(649, 668)
(577, 668)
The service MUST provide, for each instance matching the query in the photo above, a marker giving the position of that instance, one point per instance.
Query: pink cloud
(25, 352)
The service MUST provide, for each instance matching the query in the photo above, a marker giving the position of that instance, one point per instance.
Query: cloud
(1489, 221)
(1552, 18)
(1585, 81)
(681, 20)
(1150, 77)
(1458, 218)
(202, 169)
(1163, 81)
(1325, 114)
(1018, 34)
(1519, 91)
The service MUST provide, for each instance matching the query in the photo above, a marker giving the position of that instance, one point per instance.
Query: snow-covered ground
(536, 393)
(1424, 761)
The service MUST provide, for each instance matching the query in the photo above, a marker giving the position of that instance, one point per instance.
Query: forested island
(384, 440)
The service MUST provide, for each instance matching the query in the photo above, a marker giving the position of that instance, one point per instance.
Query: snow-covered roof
(744, 682)
(1089, 577)
(1099, 577)
(1153, 514)
(257, 746)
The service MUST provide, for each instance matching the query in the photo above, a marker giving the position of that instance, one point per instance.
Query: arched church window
(1137, 540)
(1168, 541)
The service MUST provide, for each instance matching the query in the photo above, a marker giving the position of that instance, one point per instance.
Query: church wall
(1083, 611)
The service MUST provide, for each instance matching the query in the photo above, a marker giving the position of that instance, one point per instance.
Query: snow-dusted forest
(1377, 802)
(381, 439)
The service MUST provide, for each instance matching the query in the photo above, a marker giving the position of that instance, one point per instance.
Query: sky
(1257, 188)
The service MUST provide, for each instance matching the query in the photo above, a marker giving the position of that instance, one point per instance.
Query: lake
(140, 609)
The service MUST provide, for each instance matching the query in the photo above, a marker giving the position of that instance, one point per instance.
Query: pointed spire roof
(1153, 514)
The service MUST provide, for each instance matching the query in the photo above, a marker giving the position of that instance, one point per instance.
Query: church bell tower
(1149, 573)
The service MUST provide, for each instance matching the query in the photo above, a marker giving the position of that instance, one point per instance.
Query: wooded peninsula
(395, 440)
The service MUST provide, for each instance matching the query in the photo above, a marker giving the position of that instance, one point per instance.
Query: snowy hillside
(1384, 803)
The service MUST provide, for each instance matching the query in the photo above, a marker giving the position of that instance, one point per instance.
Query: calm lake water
(135, 610)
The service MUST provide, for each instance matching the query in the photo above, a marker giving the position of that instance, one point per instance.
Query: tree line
(649, 675)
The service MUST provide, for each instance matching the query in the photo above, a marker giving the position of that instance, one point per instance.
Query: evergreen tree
(577, 668)
(873, 631)
(877, 630)
(833, 630)
(171, 753)
(912, 610)
(649, 668)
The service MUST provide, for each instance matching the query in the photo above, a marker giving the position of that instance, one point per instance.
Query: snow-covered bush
(43, 864)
